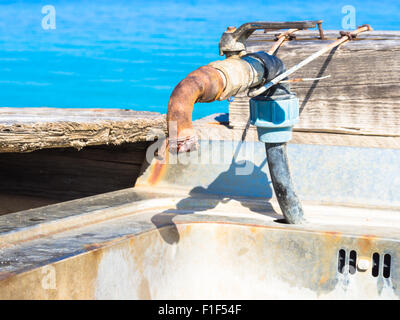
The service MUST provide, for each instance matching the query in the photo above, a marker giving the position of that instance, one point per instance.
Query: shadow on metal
(208, 198)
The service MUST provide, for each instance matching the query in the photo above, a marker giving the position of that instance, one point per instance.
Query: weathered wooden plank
(211, 128)
(361, 97)
(29, 129)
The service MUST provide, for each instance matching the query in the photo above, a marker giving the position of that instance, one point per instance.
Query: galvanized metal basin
(177, 247)
(175, 236)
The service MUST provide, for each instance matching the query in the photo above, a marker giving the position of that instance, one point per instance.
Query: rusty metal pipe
(204, 84)
(217, 81)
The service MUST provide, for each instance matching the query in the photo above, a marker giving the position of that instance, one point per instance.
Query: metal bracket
(233, 40)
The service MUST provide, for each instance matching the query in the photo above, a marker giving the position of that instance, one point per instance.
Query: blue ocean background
(131, 54)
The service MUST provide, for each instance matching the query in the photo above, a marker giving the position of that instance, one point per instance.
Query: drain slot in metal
(375, 264)
(341, 260)
(363, 263)
(352, 262)
(387, 260)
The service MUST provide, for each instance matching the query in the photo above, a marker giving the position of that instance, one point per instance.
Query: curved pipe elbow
(204, 84)
(217, 81)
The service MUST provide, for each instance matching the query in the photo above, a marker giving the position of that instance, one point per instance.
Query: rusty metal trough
(195, 231)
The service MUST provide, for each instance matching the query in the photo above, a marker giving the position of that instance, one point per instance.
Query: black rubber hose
(278, 164)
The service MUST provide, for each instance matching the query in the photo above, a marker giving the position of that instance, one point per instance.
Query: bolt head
(363, 264)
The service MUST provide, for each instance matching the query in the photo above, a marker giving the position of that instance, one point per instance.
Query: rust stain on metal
(101, 245)
(253, 229)
(252, 226)
(144, 289)
(5, 245)
(366, 244)
(159, 168)
(323, 279)
(332, 233)
(187, 228)
(324, 268)
(5, 275)
(92, 246)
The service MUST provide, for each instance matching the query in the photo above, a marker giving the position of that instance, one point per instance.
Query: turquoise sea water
(131, 54)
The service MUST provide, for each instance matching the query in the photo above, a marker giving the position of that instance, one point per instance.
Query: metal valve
(274, 116)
